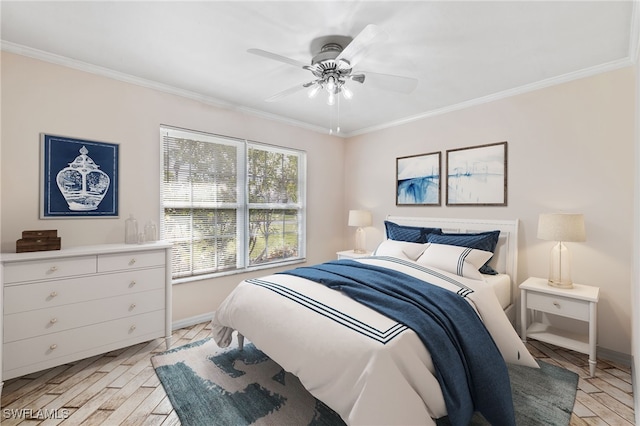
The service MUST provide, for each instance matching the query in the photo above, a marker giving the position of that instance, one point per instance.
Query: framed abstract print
(477, 175)
(418, 180)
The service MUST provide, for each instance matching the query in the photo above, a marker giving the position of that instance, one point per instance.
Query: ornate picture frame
(418, 179)
(79, 178)
(477, 175)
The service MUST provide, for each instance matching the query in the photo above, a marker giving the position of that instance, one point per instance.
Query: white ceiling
(462, 53)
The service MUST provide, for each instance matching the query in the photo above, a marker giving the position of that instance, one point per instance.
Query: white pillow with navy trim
(400, 249)
(462, 261)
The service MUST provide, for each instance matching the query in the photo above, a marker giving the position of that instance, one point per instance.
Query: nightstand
(579, 302)
(350, 254)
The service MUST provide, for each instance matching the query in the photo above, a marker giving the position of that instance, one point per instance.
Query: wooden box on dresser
(63, 305)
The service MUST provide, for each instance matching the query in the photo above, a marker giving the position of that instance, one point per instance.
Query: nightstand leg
(593, 327)
(523, 316)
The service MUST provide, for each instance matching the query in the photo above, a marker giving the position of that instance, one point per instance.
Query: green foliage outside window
(225, 210)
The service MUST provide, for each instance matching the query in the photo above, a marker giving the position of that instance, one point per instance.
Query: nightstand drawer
(558, 305)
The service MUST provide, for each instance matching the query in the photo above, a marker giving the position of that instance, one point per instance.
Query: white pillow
(462, 261)
(400, 249)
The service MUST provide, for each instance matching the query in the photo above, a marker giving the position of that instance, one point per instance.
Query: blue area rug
(542, 396)
(211, 386)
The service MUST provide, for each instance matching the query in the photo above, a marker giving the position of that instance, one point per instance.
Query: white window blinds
(229, 204)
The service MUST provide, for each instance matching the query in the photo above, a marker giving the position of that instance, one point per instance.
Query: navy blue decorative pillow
(485, 241)
(412, 234)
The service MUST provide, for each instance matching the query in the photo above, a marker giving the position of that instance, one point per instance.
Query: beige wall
(570, 148)
(42, 97)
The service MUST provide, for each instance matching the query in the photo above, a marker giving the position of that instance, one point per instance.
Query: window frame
(243, 206)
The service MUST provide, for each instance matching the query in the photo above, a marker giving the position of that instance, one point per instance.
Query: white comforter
(365, 366)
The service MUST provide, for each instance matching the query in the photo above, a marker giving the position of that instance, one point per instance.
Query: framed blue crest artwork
(79, 178)
(418, 180)
(477, 175)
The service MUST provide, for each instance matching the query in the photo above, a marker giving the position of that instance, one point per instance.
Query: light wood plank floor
(121, 388)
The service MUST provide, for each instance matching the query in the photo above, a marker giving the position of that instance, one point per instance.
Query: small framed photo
(418, 180)
(477, 175)
(79, 178)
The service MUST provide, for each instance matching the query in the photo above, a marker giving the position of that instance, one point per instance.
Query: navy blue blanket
(469, 367)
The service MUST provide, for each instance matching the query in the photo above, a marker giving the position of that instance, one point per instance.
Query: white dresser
(64, 305)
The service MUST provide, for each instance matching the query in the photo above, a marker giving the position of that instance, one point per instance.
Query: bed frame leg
(240, 341)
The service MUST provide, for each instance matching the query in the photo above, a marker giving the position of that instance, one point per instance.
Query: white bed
(504, 261)
(365, 366)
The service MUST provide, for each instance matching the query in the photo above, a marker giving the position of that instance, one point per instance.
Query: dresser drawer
(61, 346)
(29, 324)
(47, 294)
(126, 261)
(32, 270)
(559, 305)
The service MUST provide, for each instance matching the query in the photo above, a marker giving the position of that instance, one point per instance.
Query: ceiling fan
(333, 65)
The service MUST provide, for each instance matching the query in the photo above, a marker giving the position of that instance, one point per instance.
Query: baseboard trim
(188, 322)
(634, 387)
(619, 357)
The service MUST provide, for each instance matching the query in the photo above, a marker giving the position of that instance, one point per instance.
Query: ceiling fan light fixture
(346, 93)
(332, 65)
(314, 91)
(331, 100)
(331, 84)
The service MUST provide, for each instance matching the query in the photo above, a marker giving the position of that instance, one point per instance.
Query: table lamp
(561, 227)
(360, 218)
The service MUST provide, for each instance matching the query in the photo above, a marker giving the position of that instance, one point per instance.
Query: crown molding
(109, 73)
(149, 84)
(553, 81)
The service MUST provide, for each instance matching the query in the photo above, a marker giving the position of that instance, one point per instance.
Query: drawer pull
(556, 304)
(132, 307)
(132, 328)
(53, 320)
(53, 347)
(53, 294)
(132, 261)
(132, 283)
(53, 269)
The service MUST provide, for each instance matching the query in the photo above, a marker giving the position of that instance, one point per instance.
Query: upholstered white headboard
(505, 259)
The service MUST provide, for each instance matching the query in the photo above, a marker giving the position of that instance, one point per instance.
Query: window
(230, 205)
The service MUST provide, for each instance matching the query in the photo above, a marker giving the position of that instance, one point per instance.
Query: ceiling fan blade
(359, 45)
(277, 57)
(395, 83)
(289, 91)
(358, 77)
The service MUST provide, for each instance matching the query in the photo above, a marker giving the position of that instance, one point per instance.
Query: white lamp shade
(359, 218)
(561, 227)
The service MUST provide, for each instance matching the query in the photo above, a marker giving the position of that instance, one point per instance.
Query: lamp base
(560, 267)
(360, 241)
(560, 284)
